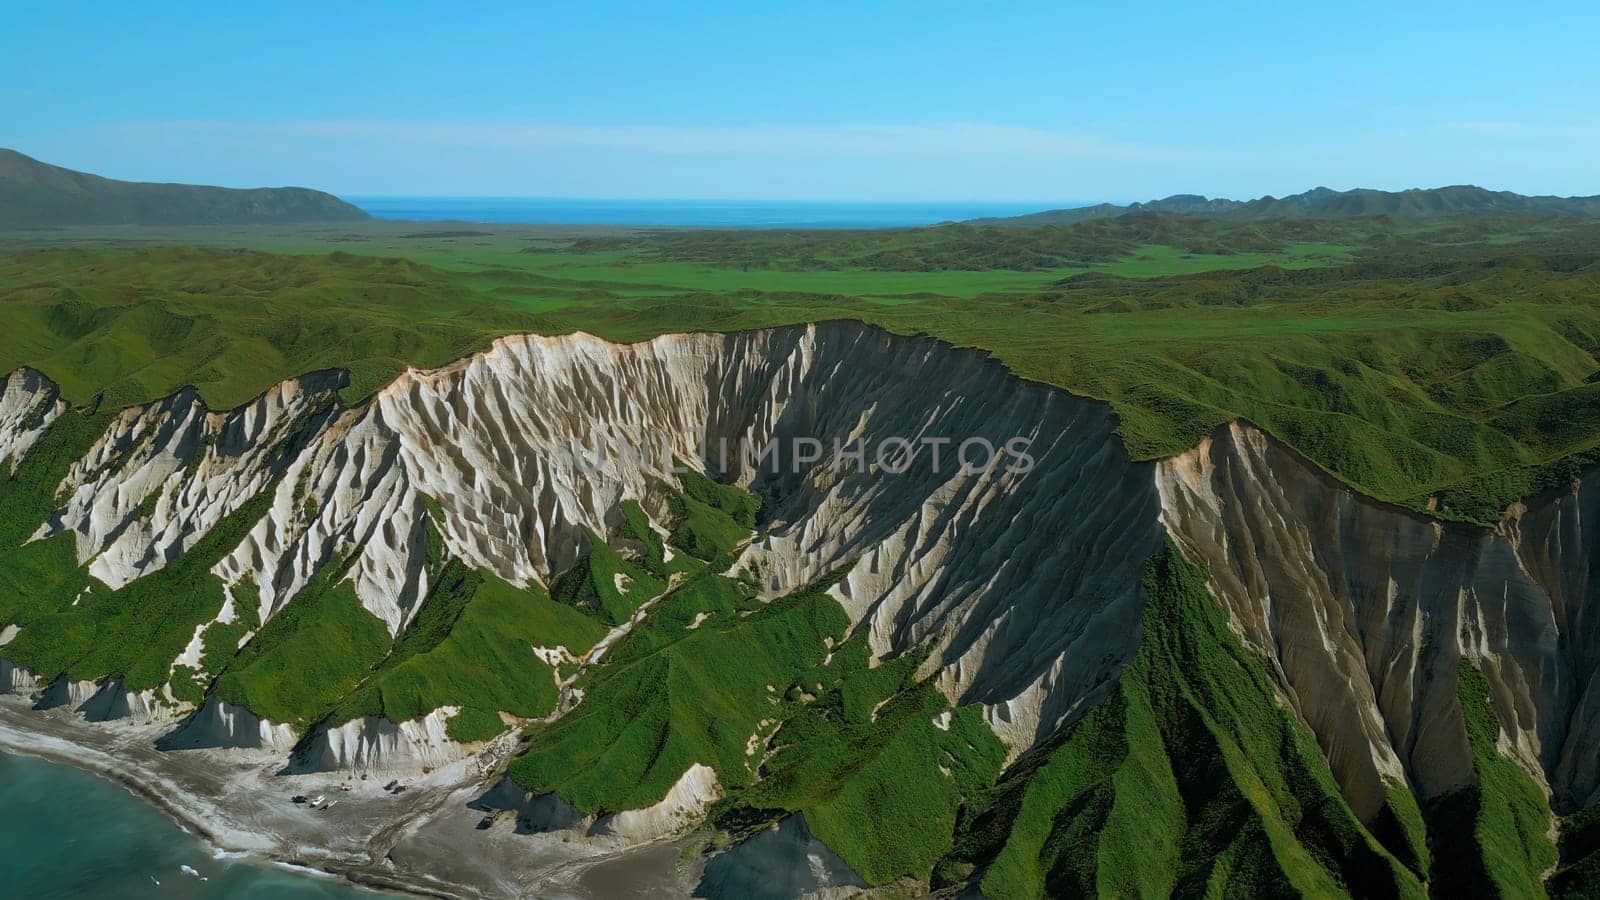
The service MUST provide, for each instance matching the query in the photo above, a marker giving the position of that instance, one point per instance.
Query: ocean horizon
(685, 213)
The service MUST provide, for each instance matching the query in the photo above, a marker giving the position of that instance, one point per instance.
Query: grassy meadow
(1441, 365)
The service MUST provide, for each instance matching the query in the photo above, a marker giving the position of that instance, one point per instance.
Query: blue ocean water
(66, 834)
(696, 213)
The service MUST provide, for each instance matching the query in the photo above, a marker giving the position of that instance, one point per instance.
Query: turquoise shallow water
(69, 834)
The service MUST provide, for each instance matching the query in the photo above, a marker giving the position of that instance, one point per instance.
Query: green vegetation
(671, 695)
(1142, 243)
(39, 579)
(711, 519)
(1579, 874)
(1439, 364)
(636, 527)
(1190, 778)
(1494, 833)
(738, 505)
(1401, 828)
(310, 654)
(221, 640)
(605, 584)
(879, 765)
(471, 646)
(1445, 365)
(137, 325)
(704, 531)
(136, 632)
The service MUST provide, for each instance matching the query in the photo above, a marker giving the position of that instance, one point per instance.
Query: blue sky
(1027, 102)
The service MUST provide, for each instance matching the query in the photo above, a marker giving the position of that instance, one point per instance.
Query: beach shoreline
(424, 843)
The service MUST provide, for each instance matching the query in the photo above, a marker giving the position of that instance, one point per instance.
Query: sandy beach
(424, 841)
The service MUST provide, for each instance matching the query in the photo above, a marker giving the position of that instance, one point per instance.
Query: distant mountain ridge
(35, 194)
(1325, 203)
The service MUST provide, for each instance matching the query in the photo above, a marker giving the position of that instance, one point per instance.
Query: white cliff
(686, 802)
(1364, 611)
(1024, 585)
(219, 725)
(29, 402)
(166, 472)
(682, 808)
(15, 679)
(375, 744)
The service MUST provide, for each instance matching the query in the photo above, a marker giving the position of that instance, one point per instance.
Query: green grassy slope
(1495, 834)
(134, 325)
(670, 695)
(76, 626)
(707, 532)
(137, 631)
(325, 659)
(39, 579)
(877, 763)
(471, 647)
(605, 584)
(713, 675)
(1190, 779)
(315, 651)
(1579, 872)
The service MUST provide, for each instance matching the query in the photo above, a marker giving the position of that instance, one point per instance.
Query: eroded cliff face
(375, 744)
(29, 402)
(165, 473)
(1365, 611)
(1023, 586)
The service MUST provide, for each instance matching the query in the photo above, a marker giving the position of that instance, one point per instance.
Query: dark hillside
(34, 194)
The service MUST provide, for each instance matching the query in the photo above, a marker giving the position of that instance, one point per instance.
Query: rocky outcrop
(96, 703)
(29, 402)
(220, 725)
(1003, 572)
(375, 744)
(782, 861)
(1023, 579)
(686, 802)
(1024, 583)
(164, 473)
(1364, 611)
(15, 679)
(683, 807)
(66, 692)
(111, 702)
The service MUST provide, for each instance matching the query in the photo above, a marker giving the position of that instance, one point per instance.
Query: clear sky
(958, 101)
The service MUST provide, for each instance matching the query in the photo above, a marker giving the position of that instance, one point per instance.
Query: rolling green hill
(35, 194)
(1325, 203)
